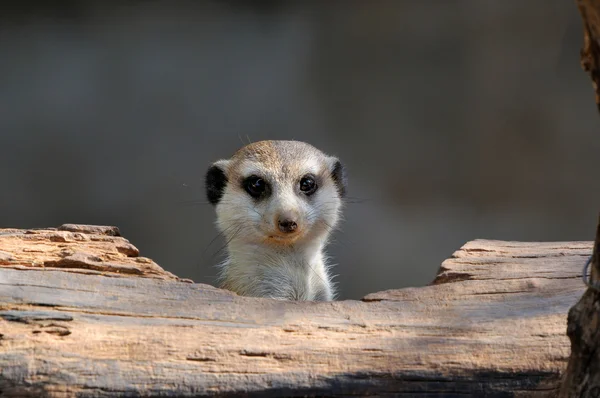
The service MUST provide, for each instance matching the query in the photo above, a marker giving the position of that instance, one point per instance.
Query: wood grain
(88, 249)
(491, 324)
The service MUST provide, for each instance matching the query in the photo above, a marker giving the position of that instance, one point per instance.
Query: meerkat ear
(215, 181)
(338, 174)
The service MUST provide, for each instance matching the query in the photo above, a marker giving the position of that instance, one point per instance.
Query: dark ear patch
(215, 183)
(338, 174)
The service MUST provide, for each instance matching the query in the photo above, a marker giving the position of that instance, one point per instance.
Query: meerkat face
(276, 192)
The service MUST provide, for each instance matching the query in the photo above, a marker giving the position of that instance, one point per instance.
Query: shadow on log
(81, 314)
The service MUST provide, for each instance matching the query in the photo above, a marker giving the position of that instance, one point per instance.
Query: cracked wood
(492, 323)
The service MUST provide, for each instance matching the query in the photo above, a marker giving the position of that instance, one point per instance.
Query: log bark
(81, 314)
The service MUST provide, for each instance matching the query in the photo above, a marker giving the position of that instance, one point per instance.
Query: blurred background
(456, 120)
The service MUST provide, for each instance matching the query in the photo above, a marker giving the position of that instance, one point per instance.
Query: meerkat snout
(286, 221)
(277, 203)
(287, 225)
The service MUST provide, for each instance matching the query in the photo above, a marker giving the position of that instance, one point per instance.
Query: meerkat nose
(287, 225)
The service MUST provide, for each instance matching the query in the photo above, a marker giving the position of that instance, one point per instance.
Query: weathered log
(82, 315)
(88, 249)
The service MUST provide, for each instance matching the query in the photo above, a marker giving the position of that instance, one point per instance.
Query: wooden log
(81, 314)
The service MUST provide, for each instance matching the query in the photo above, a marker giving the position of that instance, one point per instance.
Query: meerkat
(277, 203)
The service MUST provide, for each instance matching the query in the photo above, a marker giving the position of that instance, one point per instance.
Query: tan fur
(261, 261)
(281, 158)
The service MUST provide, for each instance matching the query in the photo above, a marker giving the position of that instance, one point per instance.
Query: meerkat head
(277, 193)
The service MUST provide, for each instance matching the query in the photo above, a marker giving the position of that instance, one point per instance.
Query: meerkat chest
(296, 283)
(278, 277)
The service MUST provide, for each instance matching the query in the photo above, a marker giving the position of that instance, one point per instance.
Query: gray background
(456, 120)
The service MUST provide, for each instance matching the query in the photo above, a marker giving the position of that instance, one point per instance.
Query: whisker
(193, 202)
(220, 233)
(356, 200)
(233, 236)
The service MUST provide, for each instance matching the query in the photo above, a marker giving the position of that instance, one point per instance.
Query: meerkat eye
(255, 186)
(308, 185)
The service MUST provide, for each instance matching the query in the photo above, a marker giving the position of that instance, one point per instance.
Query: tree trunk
(582, 378)
(590, 53)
